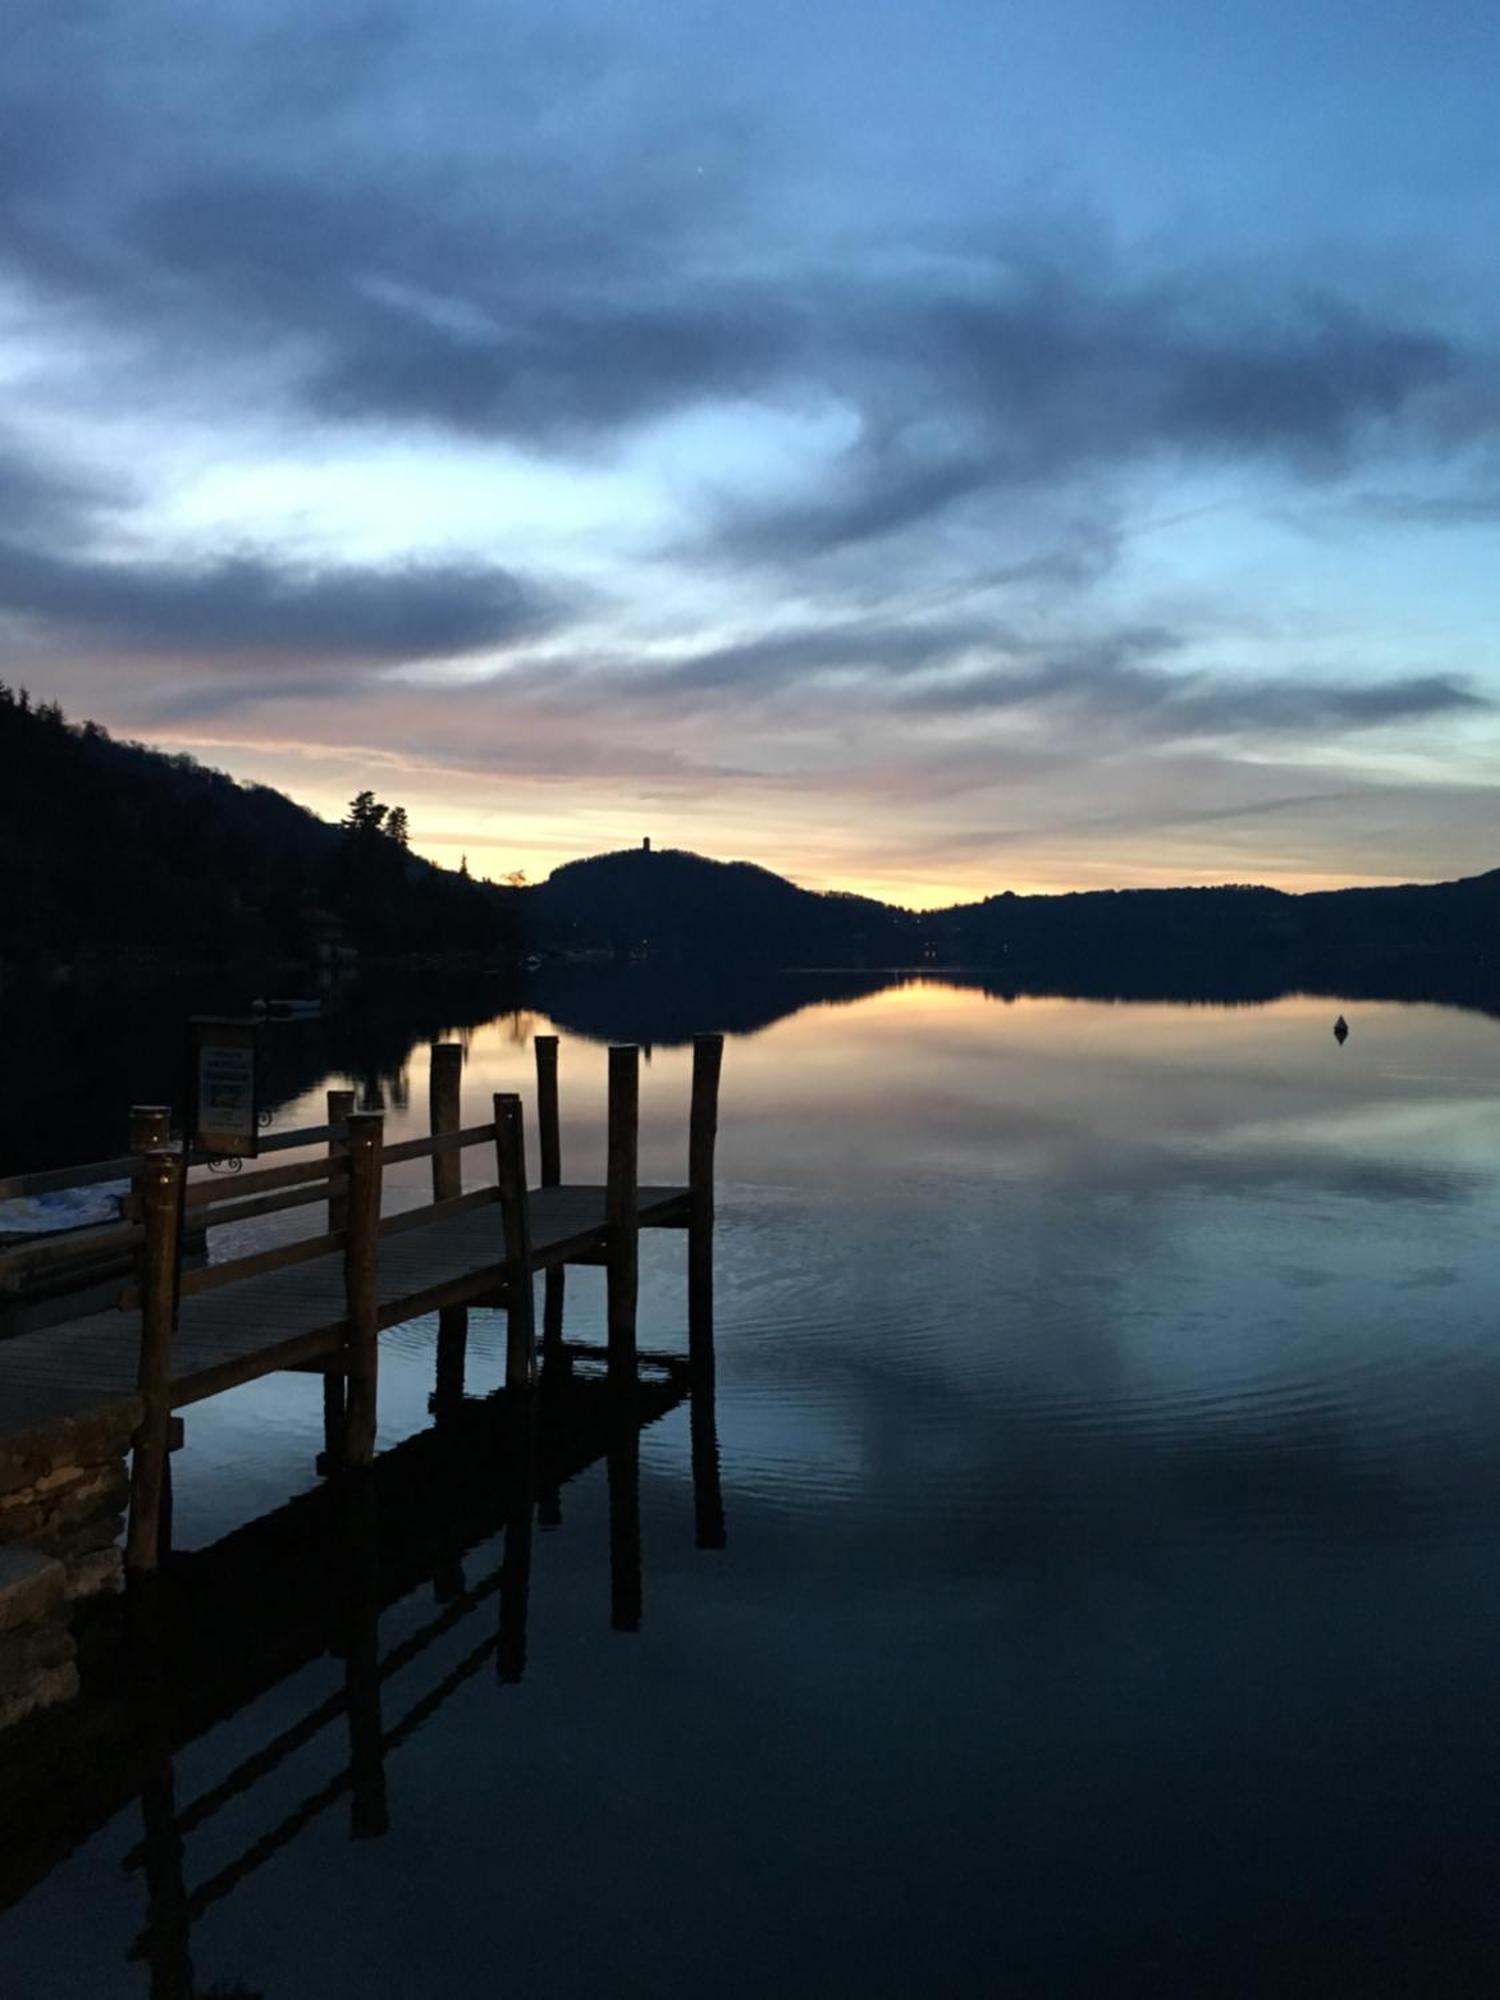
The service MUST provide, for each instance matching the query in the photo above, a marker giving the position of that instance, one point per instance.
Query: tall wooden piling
(159, 1181)
(445, 1107)
(549, 1139)
(549, 1126)
(703, 1130)
(445, 1103)
(150, 1127)
(338, 1109)
(621, 1209)
(361, 1284)
(151, 1132)
(515, 1213)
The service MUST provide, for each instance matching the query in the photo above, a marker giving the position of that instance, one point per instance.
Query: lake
(1108, 1440)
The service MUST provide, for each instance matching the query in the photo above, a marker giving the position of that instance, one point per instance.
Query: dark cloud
(1017, 377)
(1115, 681)
(46, 495)
(246, 605)
(536, 266)
(416, 219)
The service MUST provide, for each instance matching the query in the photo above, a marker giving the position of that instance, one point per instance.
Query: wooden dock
(177, 1336)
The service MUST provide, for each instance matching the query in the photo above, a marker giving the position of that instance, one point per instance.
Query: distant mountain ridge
(655, 903)
(111, 852)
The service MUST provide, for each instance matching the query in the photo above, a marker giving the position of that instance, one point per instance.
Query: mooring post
(515, 1214)
(621, 1209)
(338, 1109)
(150, 1127)
(549, 1130)
(361, 1283)
(159, 1180)
(549, 1126)
(445, 1100)
(445, 1104)
(703, 1128)
(151, 1132)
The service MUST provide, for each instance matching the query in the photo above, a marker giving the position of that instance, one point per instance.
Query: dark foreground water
(1108, 1427)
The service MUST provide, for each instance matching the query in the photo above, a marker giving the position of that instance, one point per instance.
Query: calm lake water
(1108, 1413)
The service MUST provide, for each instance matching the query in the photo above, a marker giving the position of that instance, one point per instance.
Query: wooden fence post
(515, 1213)
(159, 1181)
(621, 1209)
(445, 1103)
(549, 1126)
(338, 1109)
(362, 1284)
(150, 1127)
(703, 1127)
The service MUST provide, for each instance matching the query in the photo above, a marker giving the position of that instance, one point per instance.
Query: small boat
(1341, 1031)
(289, 1010)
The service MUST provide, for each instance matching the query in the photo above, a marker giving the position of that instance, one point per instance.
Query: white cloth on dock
(68, 1208)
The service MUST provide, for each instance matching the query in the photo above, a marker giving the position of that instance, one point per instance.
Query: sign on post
(226, 1101)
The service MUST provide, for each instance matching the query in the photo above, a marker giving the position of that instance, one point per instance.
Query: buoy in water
(1341, 1031)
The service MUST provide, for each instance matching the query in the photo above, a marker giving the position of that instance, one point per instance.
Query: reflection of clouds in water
(1179, 1303)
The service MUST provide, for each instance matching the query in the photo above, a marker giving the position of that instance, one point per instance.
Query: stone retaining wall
(63, 1495)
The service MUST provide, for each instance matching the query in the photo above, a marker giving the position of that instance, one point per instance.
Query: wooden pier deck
(297, 1316)
(179, 1335)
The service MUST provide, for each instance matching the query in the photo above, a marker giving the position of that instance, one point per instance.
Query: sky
(927, 449)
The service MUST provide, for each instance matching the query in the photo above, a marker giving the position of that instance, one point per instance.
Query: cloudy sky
(926, 448)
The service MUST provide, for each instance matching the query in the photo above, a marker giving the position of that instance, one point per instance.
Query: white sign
(226, 1097)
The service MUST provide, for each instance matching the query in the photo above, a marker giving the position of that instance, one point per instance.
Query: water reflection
(72, 1063)
(219, 1629)
(1110, 1408)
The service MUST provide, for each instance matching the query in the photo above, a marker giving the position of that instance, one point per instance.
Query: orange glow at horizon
(811, 843)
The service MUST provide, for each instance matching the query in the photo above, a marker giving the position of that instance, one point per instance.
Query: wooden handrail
(58, 1180)
(202, 1194)
(437, 1211)
(437, 1142)
(264, 1204)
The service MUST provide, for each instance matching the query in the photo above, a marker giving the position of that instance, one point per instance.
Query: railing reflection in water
(217, 1629)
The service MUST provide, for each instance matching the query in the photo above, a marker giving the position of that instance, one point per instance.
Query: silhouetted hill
(671, 904)
(1234, 942)
(112, 852)
(1242, 937)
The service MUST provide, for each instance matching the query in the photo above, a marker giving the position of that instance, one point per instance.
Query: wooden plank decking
(281, 1319)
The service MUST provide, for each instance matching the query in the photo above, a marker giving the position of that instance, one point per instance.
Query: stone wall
(63, 1494)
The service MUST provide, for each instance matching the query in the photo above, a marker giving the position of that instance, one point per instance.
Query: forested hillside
(111, 852)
